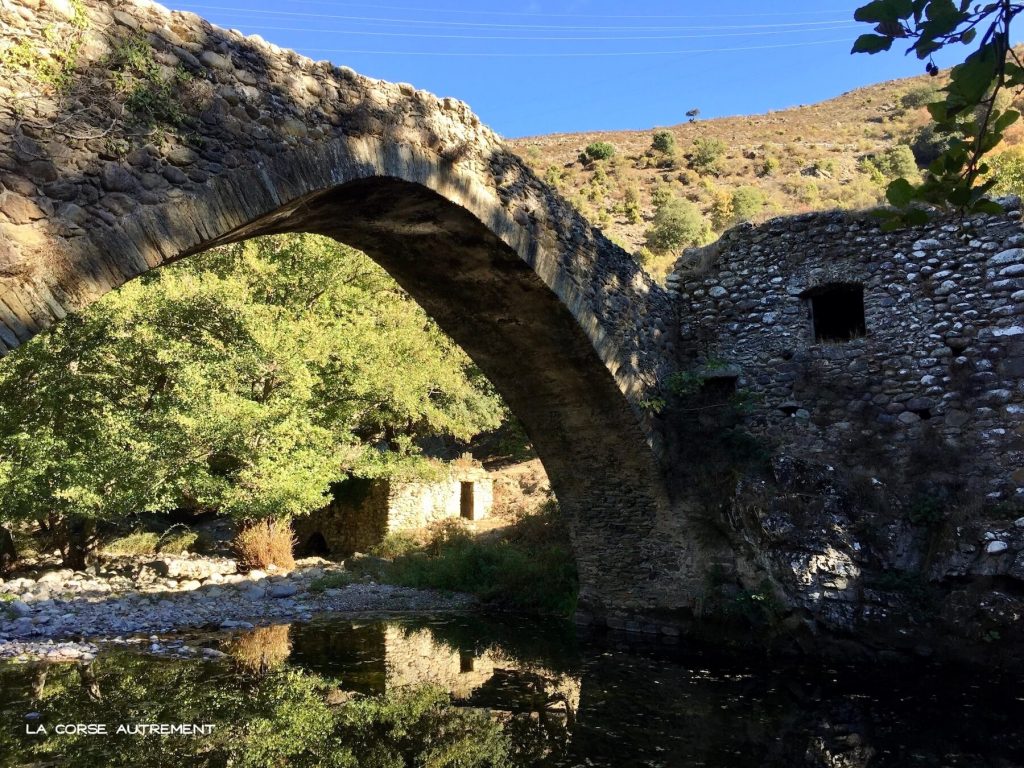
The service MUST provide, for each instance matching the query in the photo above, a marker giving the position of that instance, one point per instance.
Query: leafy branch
(969, 112)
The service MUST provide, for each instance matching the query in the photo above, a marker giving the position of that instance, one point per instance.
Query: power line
(596, 54)
(487, 25)
(548, 38)
(768, 14)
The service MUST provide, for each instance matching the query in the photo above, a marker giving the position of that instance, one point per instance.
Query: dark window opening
(718, 389)
(837, 311)
(466, 502)
(314, 546)
(466, 660)
(923, 413)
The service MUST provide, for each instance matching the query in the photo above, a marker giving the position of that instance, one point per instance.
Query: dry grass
(801, 159)
(262, 649)
(266, 543)
(136, 543)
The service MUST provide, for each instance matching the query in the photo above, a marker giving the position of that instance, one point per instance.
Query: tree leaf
(883, 10)
(987, 206)
(1005, 120)
(899, 193)
(871, 44)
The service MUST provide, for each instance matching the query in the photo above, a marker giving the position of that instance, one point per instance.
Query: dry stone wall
(882, 374)
(935, 376)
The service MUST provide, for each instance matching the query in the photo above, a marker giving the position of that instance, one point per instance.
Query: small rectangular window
(837, 311)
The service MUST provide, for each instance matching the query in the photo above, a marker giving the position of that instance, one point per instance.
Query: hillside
(835, 154)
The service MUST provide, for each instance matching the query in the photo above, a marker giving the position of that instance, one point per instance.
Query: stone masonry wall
(416, 505)
(885, 500)
(937, 375)
(365, 511)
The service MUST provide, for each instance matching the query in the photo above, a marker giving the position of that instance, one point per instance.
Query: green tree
(663, 141)
(706, 155)
(970, 111)
(896, 162)
(677, 224)
(599, 150)
(747, 203)
(245, 380)
(631, 204)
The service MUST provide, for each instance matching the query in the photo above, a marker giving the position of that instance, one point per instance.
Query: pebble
(115, 603)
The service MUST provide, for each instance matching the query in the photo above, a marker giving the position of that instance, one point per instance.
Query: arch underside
(528, 343)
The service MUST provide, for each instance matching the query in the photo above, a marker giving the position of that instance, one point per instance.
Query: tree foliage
(663, 141)
(1008, 172)
(245, 380)
(969, 112)
(600, 150)
(677, 224)
(705, 156)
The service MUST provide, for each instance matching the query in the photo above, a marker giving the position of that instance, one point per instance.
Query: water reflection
(474, 692)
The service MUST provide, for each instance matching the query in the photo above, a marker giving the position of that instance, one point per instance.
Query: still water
(469, 691)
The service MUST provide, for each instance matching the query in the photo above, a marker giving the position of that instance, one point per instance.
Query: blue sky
(547, 66)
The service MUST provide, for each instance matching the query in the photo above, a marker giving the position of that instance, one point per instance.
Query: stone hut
(363, 512)
(897, 353)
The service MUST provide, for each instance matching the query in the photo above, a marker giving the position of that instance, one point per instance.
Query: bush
(928, 144)
(600, 150)
(896, 162)
(706, 156)
(177, 540)
(677, 224)
(262, 649)
(747, 202)
(395, 545)
(333, 580)
(664, 142)
(530, 567)
(266, 543)
(1008, 171)
(661, 195)
(921, 96)
(769, 166)
(136, 543)
(631, 205)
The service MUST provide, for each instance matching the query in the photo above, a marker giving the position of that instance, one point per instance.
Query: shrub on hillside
(265, 543)
(706, 156)
(747, 202)
(896, 162)
(1008, 171)
(661, 195)
(664, 141)
(631, 205)
(768, 166)
(921, 96)
(677, 224)
(600, 150)
(928, 144)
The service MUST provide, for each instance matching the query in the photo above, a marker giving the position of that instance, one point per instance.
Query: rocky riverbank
(143, 595)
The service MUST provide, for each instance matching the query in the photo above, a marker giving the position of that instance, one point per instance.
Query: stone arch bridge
(111, 169)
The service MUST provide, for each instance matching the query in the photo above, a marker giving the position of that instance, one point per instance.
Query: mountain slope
(805, 158)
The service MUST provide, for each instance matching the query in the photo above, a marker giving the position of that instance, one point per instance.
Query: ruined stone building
(363, 512)
(899, 354)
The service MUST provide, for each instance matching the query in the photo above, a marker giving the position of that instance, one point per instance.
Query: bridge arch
(566, 325)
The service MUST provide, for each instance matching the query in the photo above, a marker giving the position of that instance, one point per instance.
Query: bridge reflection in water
(379, 657)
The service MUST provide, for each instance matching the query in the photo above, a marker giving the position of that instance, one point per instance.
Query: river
(477, 691)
